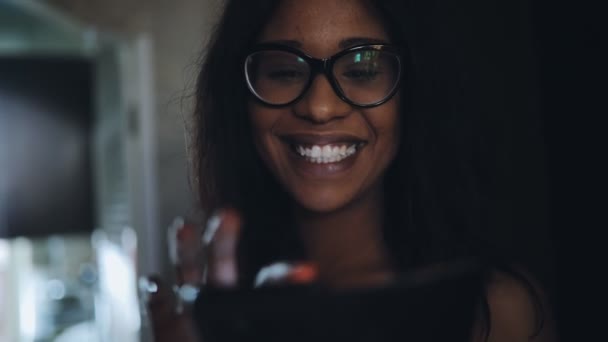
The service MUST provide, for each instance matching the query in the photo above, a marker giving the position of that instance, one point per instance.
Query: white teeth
(315, 152)
(327, 151)
(326, 154)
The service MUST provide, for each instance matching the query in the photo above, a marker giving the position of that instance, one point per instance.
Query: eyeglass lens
(363, 76)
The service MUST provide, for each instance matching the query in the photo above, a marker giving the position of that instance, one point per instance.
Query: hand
(169, 315)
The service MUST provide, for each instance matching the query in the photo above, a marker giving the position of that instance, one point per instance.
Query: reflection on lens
(367, 77)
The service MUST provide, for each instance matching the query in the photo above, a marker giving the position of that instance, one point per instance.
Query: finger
(282, 273)
(221, 239)
(159, 301)
(166, 323)
(185, 250)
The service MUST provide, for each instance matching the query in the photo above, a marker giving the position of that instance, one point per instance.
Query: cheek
(260, 133)
(388, 148)
(262, 123)
(387, 127)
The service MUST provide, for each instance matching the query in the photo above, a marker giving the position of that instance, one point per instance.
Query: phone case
(420, 306)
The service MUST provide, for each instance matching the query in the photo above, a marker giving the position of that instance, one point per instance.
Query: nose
(320, 103)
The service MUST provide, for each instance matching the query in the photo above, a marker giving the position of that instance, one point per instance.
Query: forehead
(320, 25)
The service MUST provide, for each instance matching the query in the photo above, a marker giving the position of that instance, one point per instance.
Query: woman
(312, 122)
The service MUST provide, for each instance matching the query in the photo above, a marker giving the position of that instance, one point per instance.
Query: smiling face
(325, 152)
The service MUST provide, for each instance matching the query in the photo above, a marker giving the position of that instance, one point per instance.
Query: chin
(323, 201)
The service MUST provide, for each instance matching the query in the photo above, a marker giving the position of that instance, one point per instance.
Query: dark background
(573, 88)
(529, 74)
(45, 135)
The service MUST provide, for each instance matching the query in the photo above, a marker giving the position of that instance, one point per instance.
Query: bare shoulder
(519, 310)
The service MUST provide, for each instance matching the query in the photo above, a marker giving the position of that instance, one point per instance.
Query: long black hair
(437, 190)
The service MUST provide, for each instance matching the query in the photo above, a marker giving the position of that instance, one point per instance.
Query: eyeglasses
(363, 75)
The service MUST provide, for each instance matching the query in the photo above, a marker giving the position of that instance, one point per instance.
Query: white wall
(177, 31)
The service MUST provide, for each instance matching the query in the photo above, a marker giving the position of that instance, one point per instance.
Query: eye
(285, 74)
(361, 74)
(366, 67)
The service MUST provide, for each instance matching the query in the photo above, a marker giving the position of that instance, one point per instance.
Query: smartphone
(422, 305)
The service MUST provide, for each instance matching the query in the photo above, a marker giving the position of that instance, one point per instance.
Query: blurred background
(93, 167)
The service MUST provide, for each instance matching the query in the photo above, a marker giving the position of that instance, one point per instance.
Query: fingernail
(272, 273)
(213, 224)
(187, 293)
(147, 288)
(172, 237)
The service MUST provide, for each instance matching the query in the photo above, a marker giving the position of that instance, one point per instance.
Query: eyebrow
(344, 43)
(348, 42)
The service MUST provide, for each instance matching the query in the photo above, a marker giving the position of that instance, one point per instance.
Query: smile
(324, 154)
(323, 148)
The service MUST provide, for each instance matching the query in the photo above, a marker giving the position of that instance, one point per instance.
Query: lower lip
(321, 170)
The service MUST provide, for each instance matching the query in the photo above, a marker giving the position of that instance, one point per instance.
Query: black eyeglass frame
(325, 66)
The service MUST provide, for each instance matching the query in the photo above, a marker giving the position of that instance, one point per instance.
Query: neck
(347, 245)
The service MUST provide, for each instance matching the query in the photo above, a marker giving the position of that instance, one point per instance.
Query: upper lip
(321, 139)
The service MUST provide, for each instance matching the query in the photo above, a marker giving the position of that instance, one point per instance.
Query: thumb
(285, 273)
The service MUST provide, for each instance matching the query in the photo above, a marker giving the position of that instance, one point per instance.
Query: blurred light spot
(4, 252)
(27, 311)
(88, 274)
(118, 284)
(273, 272)
(147, 286)
(188, 293)
(55, 289)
